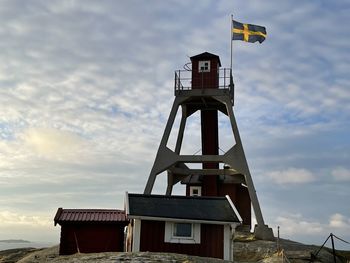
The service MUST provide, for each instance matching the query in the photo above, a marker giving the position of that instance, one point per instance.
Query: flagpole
(232, 90)
(231, 41)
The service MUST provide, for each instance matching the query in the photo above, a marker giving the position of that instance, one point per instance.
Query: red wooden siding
(206, 80)
(212, 240)
(91, 238)
(210, 146)
(241, 199)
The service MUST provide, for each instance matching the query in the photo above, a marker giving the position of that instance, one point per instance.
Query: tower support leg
(236, 158)
(165, 157)
(180, 135)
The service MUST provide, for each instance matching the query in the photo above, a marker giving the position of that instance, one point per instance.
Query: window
(182, 232)
(195, 190)
(204, 66)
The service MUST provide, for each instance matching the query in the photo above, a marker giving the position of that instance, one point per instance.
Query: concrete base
(263, 232)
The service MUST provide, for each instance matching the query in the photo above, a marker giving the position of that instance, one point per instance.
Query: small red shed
(91, 230)
(193, 225)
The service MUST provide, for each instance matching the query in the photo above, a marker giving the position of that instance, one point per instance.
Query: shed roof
(208, 209)
(89, 215)
(206, 55)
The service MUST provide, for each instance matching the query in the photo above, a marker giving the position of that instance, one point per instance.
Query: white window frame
(201, 66)
(184, 237)
(199, 188)
(170, 238)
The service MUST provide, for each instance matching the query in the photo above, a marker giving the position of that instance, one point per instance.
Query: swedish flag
(247, 32)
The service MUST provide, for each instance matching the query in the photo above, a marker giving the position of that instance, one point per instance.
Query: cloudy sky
(86, 88)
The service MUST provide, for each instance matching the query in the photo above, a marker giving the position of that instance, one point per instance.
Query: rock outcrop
(246, 249)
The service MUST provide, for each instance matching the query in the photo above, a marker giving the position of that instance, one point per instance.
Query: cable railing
(184, 80)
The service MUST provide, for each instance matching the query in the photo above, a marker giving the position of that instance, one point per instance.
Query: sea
(5, 245)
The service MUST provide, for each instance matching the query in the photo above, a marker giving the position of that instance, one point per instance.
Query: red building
(200, 226)
(90, 230)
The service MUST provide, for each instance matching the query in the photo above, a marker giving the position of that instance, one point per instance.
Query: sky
(86, 88)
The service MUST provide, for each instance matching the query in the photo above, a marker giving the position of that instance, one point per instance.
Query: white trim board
(234, 208)
(180, 220)
(136, 235)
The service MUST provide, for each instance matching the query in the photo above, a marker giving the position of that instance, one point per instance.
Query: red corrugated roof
(89, 215)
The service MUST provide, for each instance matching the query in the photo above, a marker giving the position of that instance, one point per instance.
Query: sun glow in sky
(86, 88)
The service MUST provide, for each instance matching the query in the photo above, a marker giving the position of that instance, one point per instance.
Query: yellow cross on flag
(247, 32)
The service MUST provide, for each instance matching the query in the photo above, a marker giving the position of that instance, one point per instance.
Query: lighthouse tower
(208, 90)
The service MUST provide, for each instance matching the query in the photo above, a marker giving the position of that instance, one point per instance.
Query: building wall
(205, 80)
(91, 238)
(212, 240)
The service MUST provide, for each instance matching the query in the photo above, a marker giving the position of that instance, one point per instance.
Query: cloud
(85, 94)
(338, 221)
(33, 226)
(341, 174)
(291, 176)
(296, 225)
(309, 93)
(54, 143)
(11, 219)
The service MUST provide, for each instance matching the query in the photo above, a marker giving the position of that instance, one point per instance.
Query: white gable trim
(234, 208)
(126, 203)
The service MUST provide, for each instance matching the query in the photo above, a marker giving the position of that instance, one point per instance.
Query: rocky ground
(51, 255)
(246, 249)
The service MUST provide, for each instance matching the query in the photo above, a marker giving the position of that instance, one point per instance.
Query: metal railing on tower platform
(184, 81)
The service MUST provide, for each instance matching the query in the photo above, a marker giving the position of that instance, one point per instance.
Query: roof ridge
(90, 215)
(179, 196)
(91, 210)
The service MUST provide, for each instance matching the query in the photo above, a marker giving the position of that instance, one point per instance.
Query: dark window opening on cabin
(182, 230)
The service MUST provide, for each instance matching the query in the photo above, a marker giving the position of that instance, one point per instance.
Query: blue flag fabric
(247, 32)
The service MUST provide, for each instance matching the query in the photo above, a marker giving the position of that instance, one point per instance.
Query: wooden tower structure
(209, 89)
